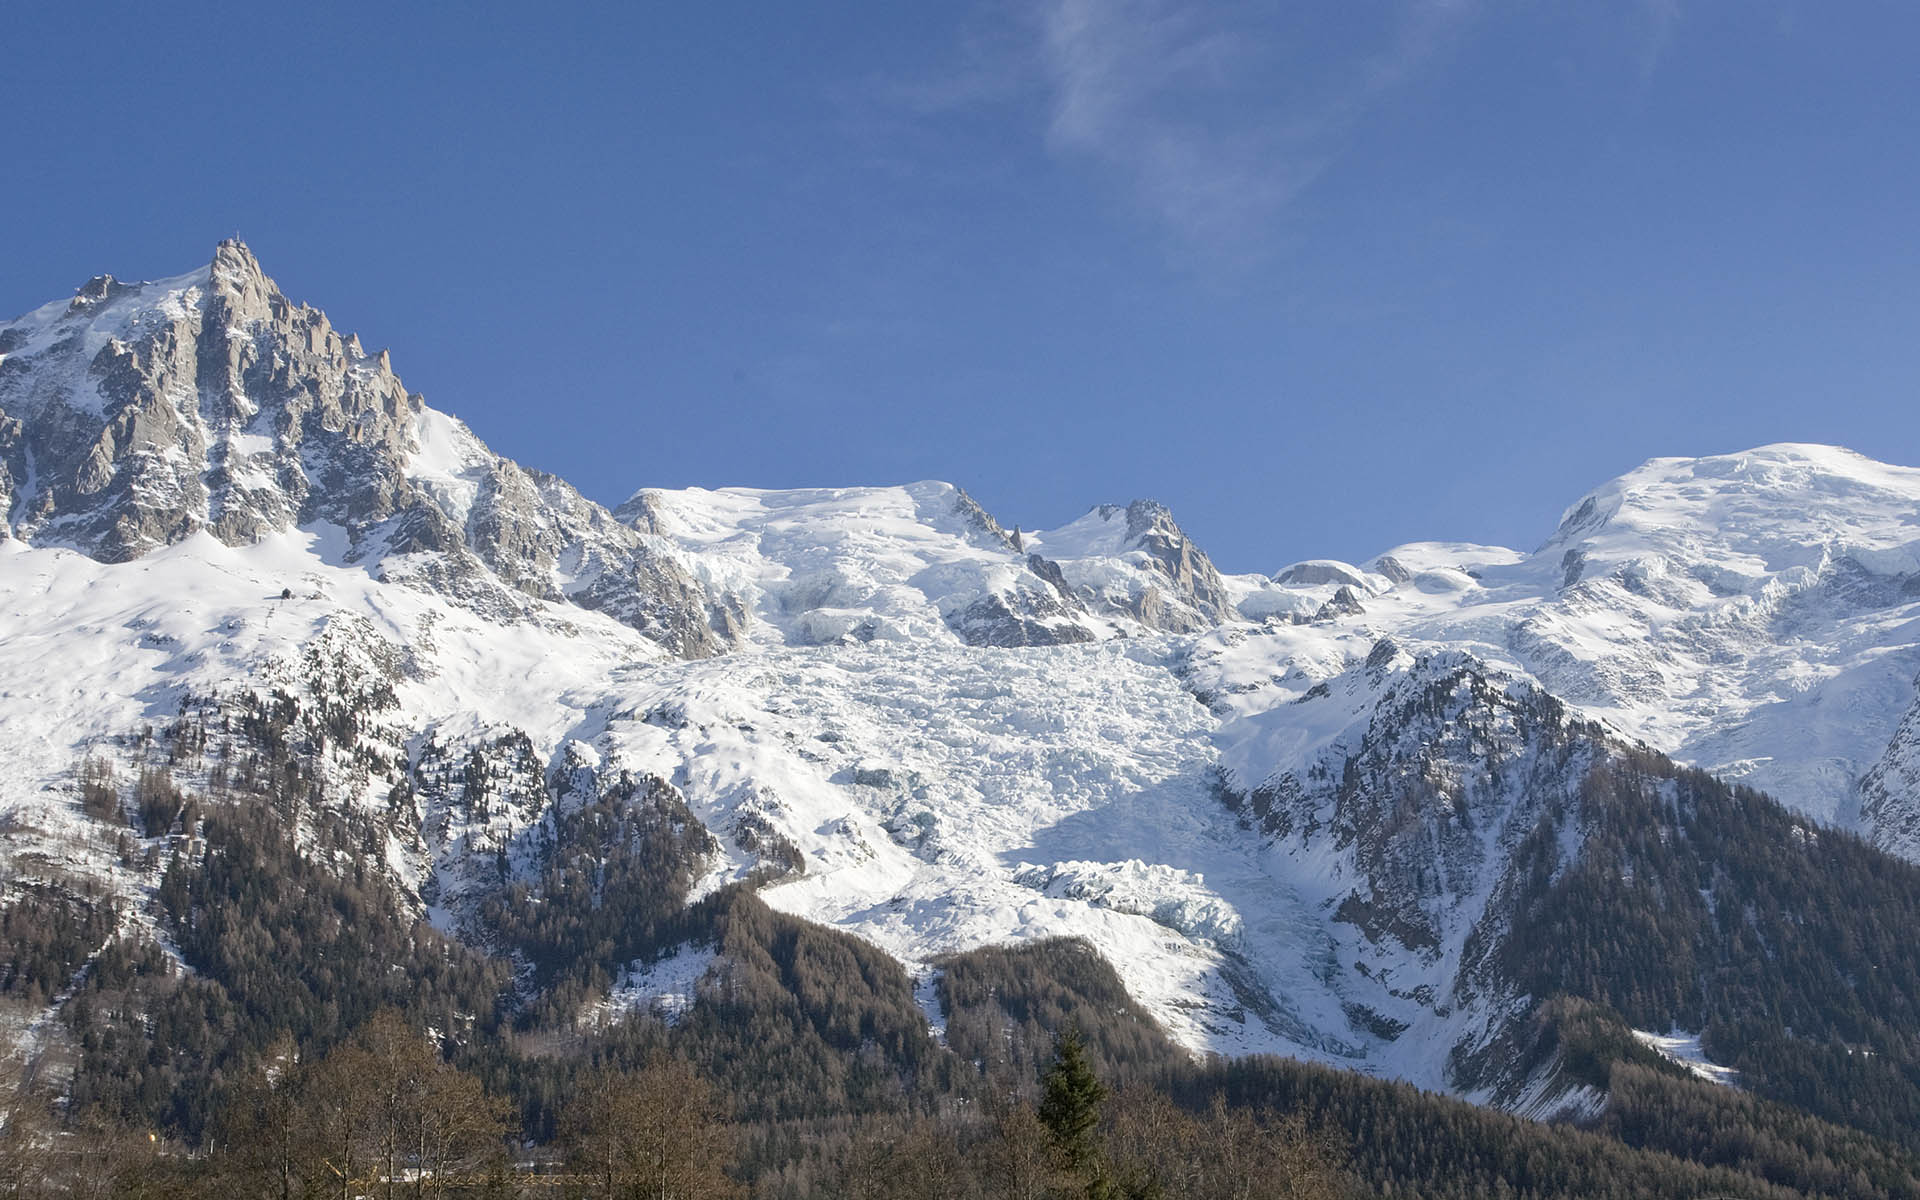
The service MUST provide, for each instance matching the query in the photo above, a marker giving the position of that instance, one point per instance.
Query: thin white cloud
(1190, 106)
(1662, 17)
(994, 63)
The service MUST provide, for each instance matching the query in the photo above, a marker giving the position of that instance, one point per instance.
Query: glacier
(959, 733)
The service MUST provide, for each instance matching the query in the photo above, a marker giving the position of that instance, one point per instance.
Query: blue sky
(1323, 277)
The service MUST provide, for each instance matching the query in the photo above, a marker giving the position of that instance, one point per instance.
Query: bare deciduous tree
(1018, 1158)
(652, 1134)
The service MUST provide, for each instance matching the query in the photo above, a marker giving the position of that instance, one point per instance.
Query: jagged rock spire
(145, 413)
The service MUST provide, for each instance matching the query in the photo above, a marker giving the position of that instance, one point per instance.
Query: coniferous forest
(293, 1026)
(1035, 600)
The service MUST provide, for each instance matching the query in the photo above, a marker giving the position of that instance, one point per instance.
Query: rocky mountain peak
(95, 291)
(1134, 559)
(1189, 572)
(235, 272)
(141, 414)
(1144, 516)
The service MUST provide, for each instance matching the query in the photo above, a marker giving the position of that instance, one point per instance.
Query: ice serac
(136, 415)
(833, 566)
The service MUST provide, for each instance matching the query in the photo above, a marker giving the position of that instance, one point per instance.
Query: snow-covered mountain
(1289, 809)
(136, 415)
(924, 562)
(1750, 613)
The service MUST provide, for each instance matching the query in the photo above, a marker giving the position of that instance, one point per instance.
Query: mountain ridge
(1294, 811)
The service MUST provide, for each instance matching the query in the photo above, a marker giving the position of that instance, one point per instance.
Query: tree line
(385, 1115)
(303, 1031)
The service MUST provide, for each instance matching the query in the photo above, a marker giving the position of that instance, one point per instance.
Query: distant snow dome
(1316, 572)
(1442, 580)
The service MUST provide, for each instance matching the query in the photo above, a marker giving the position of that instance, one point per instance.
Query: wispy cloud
(1661, 16)
(1193, 109)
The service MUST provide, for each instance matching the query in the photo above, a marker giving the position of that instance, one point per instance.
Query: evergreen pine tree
(1071, 1095)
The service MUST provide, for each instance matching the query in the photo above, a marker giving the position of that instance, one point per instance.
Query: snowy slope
(916, 563)
(942, 799)
(924, 562)
(1285, 807)
(1755, 614)
(138, 415)
(956, 797)
(95, 652)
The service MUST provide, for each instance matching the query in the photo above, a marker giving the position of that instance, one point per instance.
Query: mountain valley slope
(1297, 812)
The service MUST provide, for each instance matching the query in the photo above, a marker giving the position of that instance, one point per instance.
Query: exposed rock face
(1037, 609)
(1890, 791)
(144, 413)
(1395, 571)
(1449, 794)
(1444, 752)
(1136, 563)
(1038, 620)
(1148, 571)
(1345, 603)
(1051, 572)
(981, 521)
(641, 511)
(1319, 571)
(1189, 572)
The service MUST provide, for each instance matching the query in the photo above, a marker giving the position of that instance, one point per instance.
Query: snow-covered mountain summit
(924, 561)
(1752, 613)
(1762, 511)
(135, 415)
(1287, 807)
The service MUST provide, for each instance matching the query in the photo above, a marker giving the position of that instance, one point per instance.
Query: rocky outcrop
(1344, 603)
(1190, 575)
(1318, 572)
(1890, 791)
(981, 521)
(1453, 795)
(1445, 750)
(1136, 563)
(141, 414)
(1024, 617)
(1393, 569)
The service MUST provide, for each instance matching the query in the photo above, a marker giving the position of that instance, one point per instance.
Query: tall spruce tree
(1071, 1096)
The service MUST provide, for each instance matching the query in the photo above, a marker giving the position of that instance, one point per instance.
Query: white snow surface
(666, 988)
(944, 798)
(450, 464)
(1684, 1048)
(91, 653)
(823, 565)
(923, 789)
(1756, 614)
(1752, 613)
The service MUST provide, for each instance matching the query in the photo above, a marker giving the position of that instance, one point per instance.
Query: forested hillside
(1702, 906)
(285, 967)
